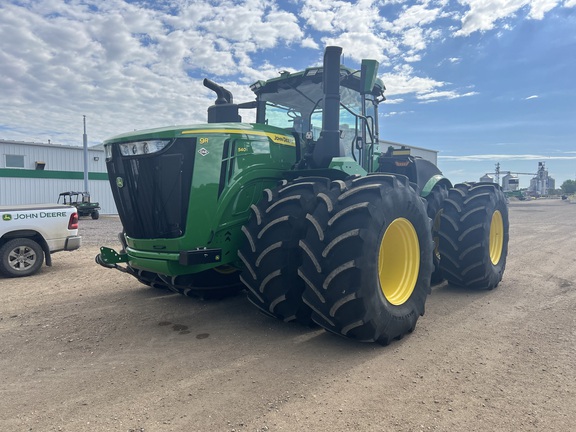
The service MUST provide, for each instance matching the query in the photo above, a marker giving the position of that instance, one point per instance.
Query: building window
(14, 161)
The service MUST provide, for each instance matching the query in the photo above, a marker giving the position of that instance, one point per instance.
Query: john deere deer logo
(7, 217)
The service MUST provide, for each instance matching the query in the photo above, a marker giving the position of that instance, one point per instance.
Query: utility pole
(85, 141)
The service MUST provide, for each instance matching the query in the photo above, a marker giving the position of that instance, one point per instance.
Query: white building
(33, 173)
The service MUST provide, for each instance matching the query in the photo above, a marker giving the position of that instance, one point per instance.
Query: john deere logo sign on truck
(39, 215)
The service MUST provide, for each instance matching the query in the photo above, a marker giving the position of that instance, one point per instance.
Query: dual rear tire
(368, 259)
(271, 253)
(353, 256)
(473, 236)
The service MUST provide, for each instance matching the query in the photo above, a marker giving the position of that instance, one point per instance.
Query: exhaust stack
(328, 145)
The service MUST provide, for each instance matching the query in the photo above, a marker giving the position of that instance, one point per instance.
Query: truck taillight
(73, 222)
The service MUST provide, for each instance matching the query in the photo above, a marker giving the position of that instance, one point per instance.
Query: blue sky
(482, 81)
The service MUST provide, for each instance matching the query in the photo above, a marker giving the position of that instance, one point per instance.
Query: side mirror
(368, 75)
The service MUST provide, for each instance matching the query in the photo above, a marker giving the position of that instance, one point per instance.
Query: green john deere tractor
(303, 208)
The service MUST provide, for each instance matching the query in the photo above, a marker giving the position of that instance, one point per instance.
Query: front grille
(152, 191)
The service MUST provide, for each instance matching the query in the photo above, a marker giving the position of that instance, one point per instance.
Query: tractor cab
(347, 128)
(331, 111)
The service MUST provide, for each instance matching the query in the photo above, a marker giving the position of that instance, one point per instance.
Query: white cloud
(309, 43)
(413, 58)
(416, 16)
(131, 65)
(504, 157)
(394, 101)
(532, 97)
(319, 14)
(332, 16)
(126, 66)
(359, 45)
(414, 38)
(396, 113)
(538, 8)
(403, 80)
(446, 94)
(482, 15)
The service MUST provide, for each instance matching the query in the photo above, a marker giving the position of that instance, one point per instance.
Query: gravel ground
(101, 232)
(83, 348)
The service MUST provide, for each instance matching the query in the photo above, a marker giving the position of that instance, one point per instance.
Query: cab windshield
(300, 110)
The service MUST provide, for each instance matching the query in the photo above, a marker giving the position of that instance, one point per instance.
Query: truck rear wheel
(368, 259)
(474, 235)
(20, 257)
(271, 254)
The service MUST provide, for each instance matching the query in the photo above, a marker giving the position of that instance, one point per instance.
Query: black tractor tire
(271, 252)
(20, 257)
(368, 258)
(435, 199)
(474, 235)
(148, 278)
(209, 284)
(213, 284)
(95, 214)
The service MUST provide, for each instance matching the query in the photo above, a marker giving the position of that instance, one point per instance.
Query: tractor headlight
(139, 148)
(108, 151)
(312, 71)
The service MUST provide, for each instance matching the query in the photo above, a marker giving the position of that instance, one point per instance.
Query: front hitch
(109, 258)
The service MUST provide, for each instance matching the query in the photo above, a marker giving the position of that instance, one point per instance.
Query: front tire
(20, 257)
(213, 284)
(368, 259)
(271, 253)
(474, 235)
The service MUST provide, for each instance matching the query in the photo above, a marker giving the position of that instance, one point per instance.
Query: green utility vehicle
(303, 208)
(80, 200)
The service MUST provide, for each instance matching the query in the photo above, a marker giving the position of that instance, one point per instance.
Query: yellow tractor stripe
(277, 138)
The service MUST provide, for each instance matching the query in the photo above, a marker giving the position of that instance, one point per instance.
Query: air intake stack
(223, 110)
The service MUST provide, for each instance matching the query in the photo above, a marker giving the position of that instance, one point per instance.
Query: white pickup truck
(31, 233)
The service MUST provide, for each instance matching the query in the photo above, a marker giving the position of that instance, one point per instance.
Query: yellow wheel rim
(496, 237)
(399, 261)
